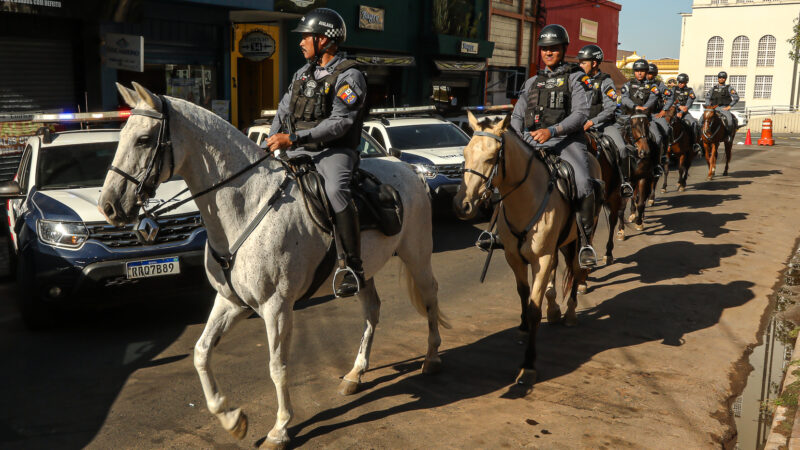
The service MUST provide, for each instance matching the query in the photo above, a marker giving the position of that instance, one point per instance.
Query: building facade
(748, 40)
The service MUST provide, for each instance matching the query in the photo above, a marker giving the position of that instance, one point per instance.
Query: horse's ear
(504, 123)
(148, 97)
(129, 95)
(473, 122)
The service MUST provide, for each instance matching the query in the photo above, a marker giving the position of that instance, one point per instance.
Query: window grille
(737, 407)
(738, 82)
(714, 52)
(741, 46)
(708, 83)
(766, 51)
(763, 87)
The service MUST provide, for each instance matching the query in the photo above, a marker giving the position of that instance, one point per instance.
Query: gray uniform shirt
(343, 114)
(666, 95)
(689, 97)
(627, 101)
(609, 96)
(571, 126)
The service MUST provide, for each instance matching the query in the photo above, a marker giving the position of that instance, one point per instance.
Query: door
(255, 89)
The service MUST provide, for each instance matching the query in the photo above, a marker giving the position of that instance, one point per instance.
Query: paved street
(658, 355)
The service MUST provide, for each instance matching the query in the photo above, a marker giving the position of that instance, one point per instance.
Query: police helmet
(553, 34)
(325, 22)
(640, 65)
(683, 78)
(723, 75)
(590, 52)
(652, 68)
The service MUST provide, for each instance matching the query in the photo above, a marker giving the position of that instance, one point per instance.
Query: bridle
(709, 137)
(642, 136)
(498, 165)
(146, 187)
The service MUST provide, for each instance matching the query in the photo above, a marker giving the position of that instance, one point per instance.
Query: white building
(747, 39)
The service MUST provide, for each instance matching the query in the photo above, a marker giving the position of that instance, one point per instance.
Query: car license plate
(153, 267)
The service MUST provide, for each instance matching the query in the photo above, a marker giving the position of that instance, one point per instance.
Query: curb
(775, 440)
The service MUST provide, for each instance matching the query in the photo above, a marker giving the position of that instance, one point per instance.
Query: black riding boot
(698, 149)
(625, 168)
(587, 257)
(349, 278)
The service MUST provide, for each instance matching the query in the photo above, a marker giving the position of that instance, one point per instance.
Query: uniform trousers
(336, 165)
(573, 151)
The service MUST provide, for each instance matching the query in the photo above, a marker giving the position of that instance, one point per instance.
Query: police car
(492, 112)
(65, 250)
(696, 110)
(434, 147)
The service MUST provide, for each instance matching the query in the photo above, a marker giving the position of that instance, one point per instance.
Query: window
(439, 135)
(738, 82)
(741, 45)
(80, 165)
(708, 82)
(763, 87)
(378, 136)
(766, 51)
(714, 52)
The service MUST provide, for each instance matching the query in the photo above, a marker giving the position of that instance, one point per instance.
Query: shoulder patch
(733, 91)
(347, 94)
(667, 92)
(691, 94)
(611, 93)
(586, 80)
(654, 89)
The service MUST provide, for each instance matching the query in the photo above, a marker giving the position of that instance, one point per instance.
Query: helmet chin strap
(314, 61)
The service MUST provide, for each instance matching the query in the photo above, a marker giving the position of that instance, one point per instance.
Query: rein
(709, 137)
(499, 163)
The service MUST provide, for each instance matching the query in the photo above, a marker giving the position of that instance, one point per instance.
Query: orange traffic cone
(747, 140)
(766, 133)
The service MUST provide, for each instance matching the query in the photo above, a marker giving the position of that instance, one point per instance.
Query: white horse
(275, 266)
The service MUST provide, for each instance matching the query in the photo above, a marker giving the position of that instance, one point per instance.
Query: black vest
(640, 91)
(721, 95)
(549, 99)
(596, 106)
(312, 102)
(682, 95)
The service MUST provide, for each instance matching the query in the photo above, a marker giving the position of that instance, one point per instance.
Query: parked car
(493, 113)
(368, 147)
(67, 254)
(696, 110)
(433, 146)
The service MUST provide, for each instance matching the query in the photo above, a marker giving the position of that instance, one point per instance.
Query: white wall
(730, 20)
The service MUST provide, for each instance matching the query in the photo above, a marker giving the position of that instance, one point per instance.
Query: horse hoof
(631, 218)
(663, 190)
(432, 367)
(651, 202)
(570, 320)
(681, 189)
(269, 445)
(620, 235)
(724, 174)
(239, 431)
(347, 387)
(550, 293)
(582, 288)
(708, 178)
(553, 315)
(608, 260)
(640, 227)
(526, 377)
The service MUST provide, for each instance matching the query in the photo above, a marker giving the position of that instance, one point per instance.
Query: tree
(794, 41)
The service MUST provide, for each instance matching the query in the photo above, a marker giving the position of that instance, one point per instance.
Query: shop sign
(124, 51)
(588, 30)
(370, 18)
(14, 136)
(257, 46)
(468, 47)
(298, 6)
(378, 60)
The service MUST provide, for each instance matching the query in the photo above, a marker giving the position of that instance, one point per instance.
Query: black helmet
(683, 78)
(640, 64)
(553, 35)
(652, 68)
(591, 52)
(325, 22)
(723, 74)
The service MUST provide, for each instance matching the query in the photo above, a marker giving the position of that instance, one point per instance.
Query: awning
(385, 60)
(460, 66)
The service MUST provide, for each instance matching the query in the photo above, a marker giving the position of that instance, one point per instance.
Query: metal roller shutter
(36, 74)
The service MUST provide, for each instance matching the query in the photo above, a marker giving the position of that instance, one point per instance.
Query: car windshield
(436, 135)
(369, 148)
(72, 166)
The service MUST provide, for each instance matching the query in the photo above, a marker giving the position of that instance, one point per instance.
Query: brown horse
(713, 132)
(533, 226)
(613, 180)
(682, 147)
(642, 177)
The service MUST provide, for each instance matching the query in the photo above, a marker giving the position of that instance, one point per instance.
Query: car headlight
(62, 234)
(427, 170)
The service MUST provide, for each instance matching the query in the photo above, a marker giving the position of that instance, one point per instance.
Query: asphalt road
(659, 353)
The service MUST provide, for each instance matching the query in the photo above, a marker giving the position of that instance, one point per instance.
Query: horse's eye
(143, 140)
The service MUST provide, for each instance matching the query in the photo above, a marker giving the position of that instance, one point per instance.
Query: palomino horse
(642, 177)
(613, 181)
(535, 223)
(275, 266)
(713, 132)
(682, 147)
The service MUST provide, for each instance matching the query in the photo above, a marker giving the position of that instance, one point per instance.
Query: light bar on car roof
(489, 108)
(269, 112)
(403, 110)
(82, 117)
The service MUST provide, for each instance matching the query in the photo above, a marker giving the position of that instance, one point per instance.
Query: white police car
(433, 146)
(65, 250)
(494, 113)
(696, 110)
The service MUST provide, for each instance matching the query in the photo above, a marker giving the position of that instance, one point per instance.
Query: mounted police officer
(724, 97)
(684, 98)
(552, 108)
(664, 101)
(602, 106)
(641, 96)
(325, 104)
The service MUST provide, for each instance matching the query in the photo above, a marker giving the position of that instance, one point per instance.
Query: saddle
(565, 179)
(379, 205)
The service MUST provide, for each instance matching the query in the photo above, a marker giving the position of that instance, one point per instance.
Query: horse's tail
(416, 297)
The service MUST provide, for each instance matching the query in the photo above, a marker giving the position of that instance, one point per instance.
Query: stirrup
(487, 241)
(337, 288)
(589, 263)
(627, 190)
(658, 170)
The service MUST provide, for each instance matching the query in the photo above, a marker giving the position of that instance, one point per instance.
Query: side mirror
(10, 189)
(394, 152)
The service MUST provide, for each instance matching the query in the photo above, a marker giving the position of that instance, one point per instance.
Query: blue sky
(652, 28)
